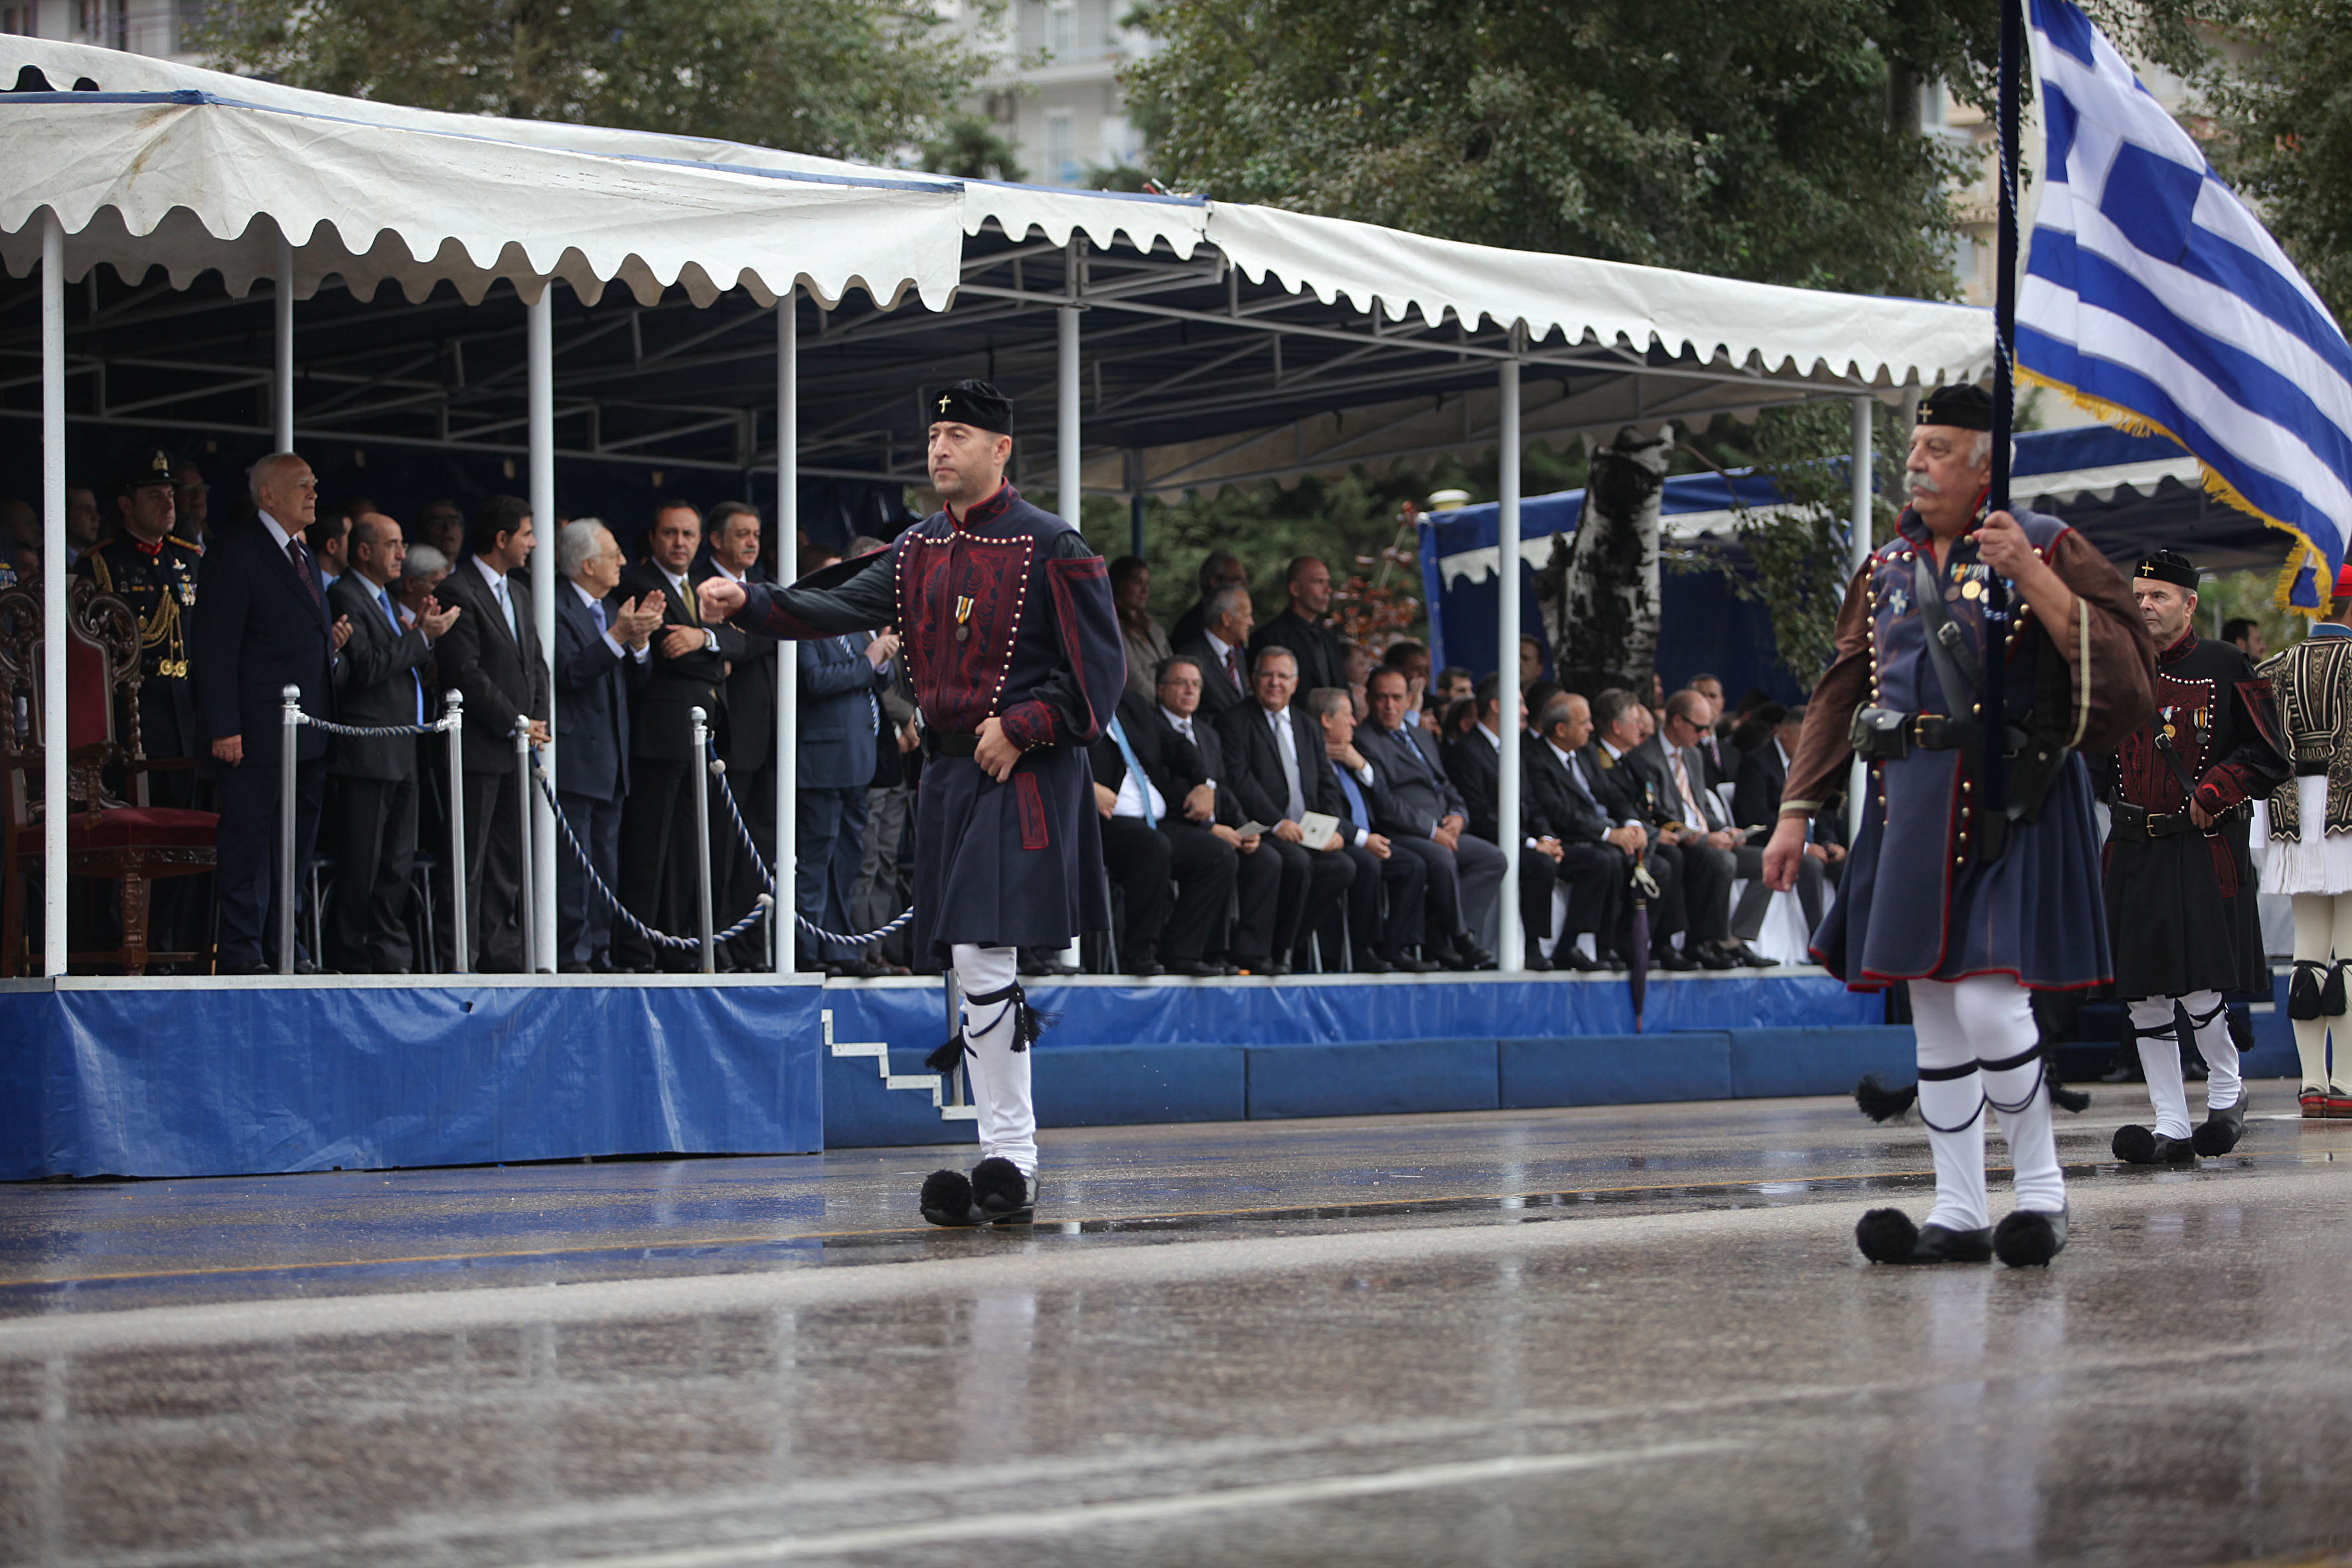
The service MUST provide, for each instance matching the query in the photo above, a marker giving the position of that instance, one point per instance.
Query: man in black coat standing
(1279, 773)
(747, 743)
(601, 657)
(492, 655)
(375, 815)
(261, 624)
(657, 848)
(1300, 628)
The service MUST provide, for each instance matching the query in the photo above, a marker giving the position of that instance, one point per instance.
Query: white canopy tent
(1224, 343)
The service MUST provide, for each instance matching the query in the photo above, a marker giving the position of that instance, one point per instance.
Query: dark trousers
(1594, 876)
(1309, 877)
(831, 847)
(1667, 909)
(374, 839)
(1405, 879)
(1707, 875)
(247, 853)
(494, 870)
(739, 888)
(1463, 882)
(659, 883)
(1176, 882)
(584, 919)
(1258, 903)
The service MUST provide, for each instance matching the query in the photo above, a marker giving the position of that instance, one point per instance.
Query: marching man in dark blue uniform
(1012, 645)
(1975, 909)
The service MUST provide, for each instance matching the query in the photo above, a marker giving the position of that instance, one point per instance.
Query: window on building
(1061, 150)
(1062, 29)
(23, 19)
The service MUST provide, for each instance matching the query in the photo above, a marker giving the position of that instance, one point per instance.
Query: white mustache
(1921, 485)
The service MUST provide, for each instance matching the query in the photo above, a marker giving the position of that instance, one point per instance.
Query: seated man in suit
(1756, 803)
(1220, 651)
(1278, 772)
(1474, 766)
(603, 654)
(1386, 940)
(1631, 797)
(1431, 822)
(1673, 757)
(1247, 940)
(1146, 777)
(1590, 854)
(375, 820)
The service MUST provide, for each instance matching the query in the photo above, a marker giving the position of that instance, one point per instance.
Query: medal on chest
(963, 618)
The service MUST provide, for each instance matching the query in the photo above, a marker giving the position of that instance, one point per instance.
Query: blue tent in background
(2129, 494)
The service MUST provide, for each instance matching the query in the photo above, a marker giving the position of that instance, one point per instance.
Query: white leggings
(1976, 1057)
(2159, 1056)
(1000, 1075)
(2323, 935)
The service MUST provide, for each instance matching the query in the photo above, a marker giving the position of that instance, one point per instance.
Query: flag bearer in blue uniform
(1975, 909)
(1012, 645)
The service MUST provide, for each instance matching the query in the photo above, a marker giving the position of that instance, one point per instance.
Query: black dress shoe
(1667, 958)
(1536, 962)
(1198, 969)
(573, 967)
(1574, 958)
(1616, 963)
(1371, 963)
(1402, 960)
(1716, 959)
(1141, 968)
(1751, 958)
(1279, 968)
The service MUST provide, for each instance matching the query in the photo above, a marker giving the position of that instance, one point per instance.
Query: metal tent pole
(461, 931)
(282, 386)
(1859, 526)
(702, 836)
(289, 737)
(788, 663)
(540, 940)
(1512, 956)
(53, 596)
(526, 884)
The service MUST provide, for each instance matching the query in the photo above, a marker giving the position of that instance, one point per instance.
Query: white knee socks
(1978, 1055)
(2323, 933)
(2159, 1056)
(1000, 1075)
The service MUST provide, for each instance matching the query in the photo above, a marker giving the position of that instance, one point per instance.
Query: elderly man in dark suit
(1300, 629)
(842, 682)
(1756, 803)
(1219, 569)
(376, 817)
(603, 653)
(1248, 941)
(1156, 804)
(492, 655)
(1220, 650)
(1387, 937)
(1431, 822)
(1669, 759)
(262, 624)
(1632, 796)
(1589, 853)
(1278, 772)
(747, 743)
(658, 878)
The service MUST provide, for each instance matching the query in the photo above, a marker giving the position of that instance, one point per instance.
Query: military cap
(147, 466)
(972, 403)
(2168, 566)
(1966, 407)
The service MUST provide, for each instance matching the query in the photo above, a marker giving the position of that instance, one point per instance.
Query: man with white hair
(601, 653)
(1976, 909)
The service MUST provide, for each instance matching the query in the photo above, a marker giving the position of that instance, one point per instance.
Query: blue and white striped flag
(2154, 298)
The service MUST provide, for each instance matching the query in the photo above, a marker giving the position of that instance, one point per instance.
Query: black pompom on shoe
(947, 1199)
(2221, 1128)
(1887, 1235)
(2135, 1144)
(1000, 1194)
(2028, 1240)
(1881, 1103)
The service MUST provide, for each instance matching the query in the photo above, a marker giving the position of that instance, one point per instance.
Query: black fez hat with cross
(1966, 406)
(972, 403)
(2168, 566)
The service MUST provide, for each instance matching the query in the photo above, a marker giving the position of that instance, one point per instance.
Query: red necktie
(1233, 668)
(301, 559)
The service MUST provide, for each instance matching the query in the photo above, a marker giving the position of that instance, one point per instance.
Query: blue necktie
(389, 615)
(1135, 771)
(602, 625)
(1355, 797)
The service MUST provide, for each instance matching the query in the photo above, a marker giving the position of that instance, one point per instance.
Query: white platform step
(879, 1051)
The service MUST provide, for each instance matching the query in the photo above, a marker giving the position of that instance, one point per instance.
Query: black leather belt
(2139, 822)
(1884, 733)
(936, 744)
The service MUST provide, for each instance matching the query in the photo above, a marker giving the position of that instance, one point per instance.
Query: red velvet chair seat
(131, 827)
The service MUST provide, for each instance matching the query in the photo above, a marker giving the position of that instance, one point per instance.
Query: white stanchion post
(282, 387)
(288, 735)
(544, 586)
(1512, 956)
(702, 836)
(1859, 526)
(527, 927)
(784, 863)
(53, 596)
(461, 931)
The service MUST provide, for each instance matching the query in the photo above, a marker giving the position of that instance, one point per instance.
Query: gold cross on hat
(943, 402)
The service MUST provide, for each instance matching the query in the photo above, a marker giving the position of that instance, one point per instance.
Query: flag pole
(1995, 718)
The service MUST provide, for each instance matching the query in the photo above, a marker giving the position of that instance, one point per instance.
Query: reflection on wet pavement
(1629, 1335)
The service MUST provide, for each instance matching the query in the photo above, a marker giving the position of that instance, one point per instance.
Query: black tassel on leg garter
(1027, 1024)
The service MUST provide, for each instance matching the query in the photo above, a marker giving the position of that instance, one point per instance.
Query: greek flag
(2155, 299)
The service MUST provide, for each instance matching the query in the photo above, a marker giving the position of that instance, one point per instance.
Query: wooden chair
(125, 841)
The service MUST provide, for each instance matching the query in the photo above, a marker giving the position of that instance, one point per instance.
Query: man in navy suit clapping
(602, 654)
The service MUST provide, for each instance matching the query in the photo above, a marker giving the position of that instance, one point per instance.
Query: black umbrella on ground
(1637, 980)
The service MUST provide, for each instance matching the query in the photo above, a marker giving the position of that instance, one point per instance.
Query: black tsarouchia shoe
(2137, 1145)
(1887, 1236)
(996, 1192)
(2222, 1128)
(2030, 1239)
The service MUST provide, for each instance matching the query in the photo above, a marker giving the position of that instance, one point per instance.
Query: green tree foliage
(969, 148)
(847, 78)
(2283, 100)
(1758, 140)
